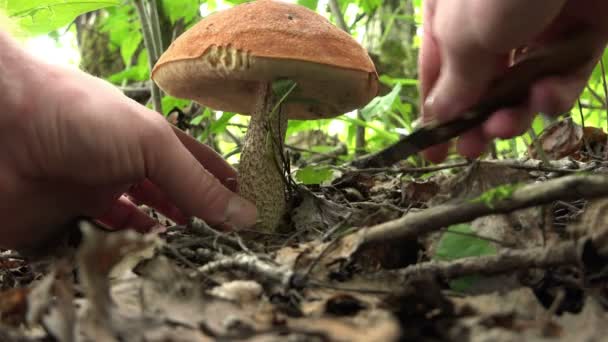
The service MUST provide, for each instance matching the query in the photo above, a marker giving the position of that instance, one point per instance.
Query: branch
(416, 224)
(263, 271)
(201, 228)
(505, 261)
(588, 253)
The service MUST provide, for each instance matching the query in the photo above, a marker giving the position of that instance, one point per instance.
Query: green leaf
(366, 5)
(499, 193)
(295, 126)
(128, 46)
(236, 2)
(390, 137)
(170, 102)
(381, 104)
(314, 175)
(134, 73)
(43, 16)
(124, 29)
(392, 81)
(187, 10)
(199, 118)
(312, 4)
(457, 243)
(217, 126)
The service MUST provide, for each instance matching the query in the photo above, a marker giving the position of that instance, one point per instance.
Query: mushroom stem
(261, 175)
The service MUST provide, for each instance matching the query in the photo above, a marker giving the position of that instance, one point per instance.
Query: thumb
(190, 186)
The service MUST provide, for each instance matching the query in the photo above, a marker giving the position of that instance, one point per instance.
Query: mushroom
(229, 60)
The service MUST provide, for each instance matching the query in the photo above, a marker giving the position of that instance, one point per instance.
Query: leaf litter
(527, 262)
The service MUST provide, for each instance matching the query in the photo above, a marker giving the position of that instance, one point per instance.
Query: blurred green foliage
(499, 193)
(43, 16)
(387, 28)
(459, 241)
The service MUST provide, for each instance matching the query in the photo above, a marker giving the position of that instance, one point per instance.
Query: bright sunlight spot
(64, 51)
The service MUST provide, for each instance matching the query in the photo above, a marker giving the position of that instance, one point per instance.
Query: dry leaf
(559, 140)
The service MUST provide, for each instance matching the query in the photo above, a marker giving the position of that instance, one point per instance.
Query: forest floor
(490, 250)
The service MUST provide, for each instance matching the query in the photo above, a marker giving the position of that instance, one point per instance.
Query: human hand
(74, 144)
(467, 44)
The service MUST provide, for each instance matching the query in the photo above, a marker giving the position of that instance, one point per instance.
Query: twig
(263, 271)
(232, 153)
(505, 261)
(327, 235)
(403, 169)
(360, 17)
(415, 224)
(11, 255)
(333, 154)
(208, 255)
(596, 95)
(539, 165)
(188, 242)
(374, 205)
(234, 138)
(530, 165)
(316, 261)
(348, 289)
(149, 44)
(202, 228)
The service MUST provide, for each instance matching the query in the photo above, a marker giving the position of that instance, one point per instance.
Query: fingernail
(240, 213)
(440, 109)
(427, 108)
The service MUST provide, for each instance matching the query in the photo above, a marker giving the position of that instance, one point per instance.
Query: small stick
(507, 260)
(263, 271)
(426, 221)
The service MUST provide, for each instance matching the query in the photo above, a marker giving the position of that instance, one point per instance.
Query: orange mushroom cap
(222, 59)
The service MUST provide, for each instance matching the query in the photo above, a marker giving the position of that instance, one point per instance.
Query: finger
(149, 194)
(429, 65)
(556, 95)
(188, 184)
(509, 122)
(472, 143)
(123, 214)
(475, 52)
(210, 159)
(437, 153)
(505, 25)
(429, 61)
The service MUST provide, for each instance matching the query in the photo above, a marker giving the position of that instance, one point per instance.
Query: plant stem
(337, 13)
(149, 44)
(157, 38)
(360, 133)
